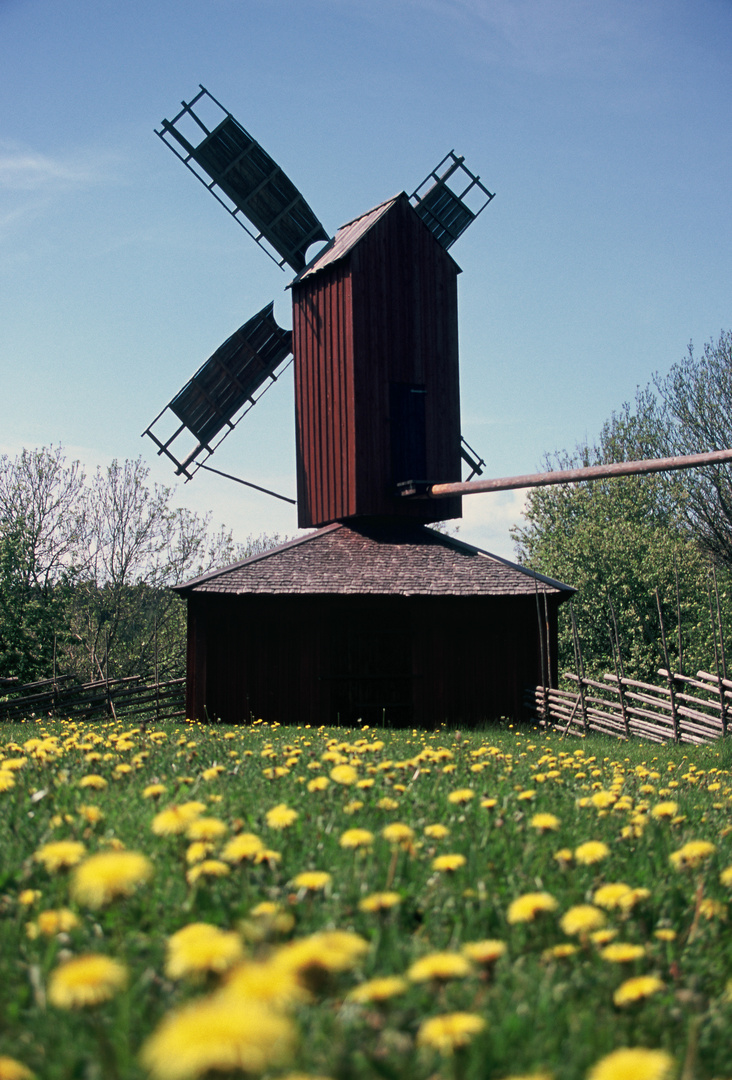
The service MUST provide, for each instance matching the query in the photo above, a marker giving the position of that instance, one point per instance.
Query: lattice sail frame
(448, 209)
(222, 391)
(242, 176)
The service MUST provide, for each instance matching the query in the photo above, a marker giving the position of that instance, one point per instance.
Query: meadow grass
(274, 992)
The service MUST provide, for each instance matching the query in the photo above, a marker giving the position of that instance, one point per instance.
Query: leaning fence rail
(125, 698)
(687, 709)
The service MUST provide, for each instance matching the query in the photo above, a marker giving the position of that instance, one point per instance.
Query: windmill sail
(240, 170)
(229, 383)
(447, 212)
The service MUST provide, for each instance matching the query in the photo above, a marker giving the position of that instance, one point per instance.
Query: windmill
(404, 406)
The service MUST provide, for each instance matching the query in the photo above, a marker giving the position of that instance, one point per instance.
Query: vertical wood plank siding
(328, 660)
(386, 312)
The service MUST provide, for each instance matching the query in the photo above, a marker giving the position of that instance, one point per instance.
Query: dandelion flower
(592, 851)
(664, 933)
(28, 897)
(7, 783)
(212, 1035)
(176, 819)
(440, 966)
(525, 908)
(632, 1063)
(484, 953)
(318, 783)
(316, 958)
(448, 1032)
(241, 847)
(726, 877)
(387, 803)
(201, 947)
(59, 921)
(692, 854)
(207, 868)
(544, 823)
(91, 814)
(581, 919)
(437, 831)
(93, 781)
(60, 854)
(636, 989)
(664, 810)
(281, 816)
(380, 989)
(448, 864)
(312, 880)
(489, 804)
(610, 896)
(633, 897)
(397, 833)
(461, 796)
(622, 952)
(356, 838)
(86, 980)
(344, 774)
(380, 901)
(559, 952)
(206, 828)
(197, 851)
(270, 984)
(10, 1069)
(102, 877)
(153, 791)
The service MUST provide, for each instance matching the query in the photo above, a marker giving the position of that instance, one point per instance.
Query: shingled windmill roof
(376, 558)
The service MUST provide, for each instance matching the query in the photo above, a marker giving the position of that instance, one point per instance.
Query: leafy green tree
(618, 541)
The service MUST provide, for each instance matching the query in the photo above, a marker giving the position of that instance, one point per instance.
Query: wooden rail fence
(129, 699)
(684, 709)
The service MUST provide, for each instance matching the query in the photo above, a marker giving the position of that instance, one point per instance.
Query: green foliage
(617, 542)
(86, 569)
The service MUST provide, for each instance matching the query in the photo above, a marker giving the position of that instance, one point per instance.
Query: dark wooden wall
(385, 314)
(330, 660)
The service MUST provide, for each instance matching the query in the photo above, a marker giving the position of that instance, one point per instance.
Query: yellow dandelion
(610, 896)
(10, 1069)
(380, 901)
(353, 807)
(484, 953)
(312, 880)
(581, 919)
(448, 864)
(437, 831)
(726, 877)
(93, 781)
(211, 1035)
(86, 980)
(201, 947)
(368, 782)
(7, 783)
(281, 816)
(28, 897)
(318, 783)
(206, 828)
(593, 851)
(603, 937)
(319, 956)
(153, 791)
(564, 856)
(91, 814)
(439, 967)
(198, 851)
(602, 800)
(545, 823)
(622, 952)
(387, 803)
(102, 877)
(378, 990)
(526, 908)
(664, 810)
(344, 774)
(559, 952)
(212, 773)
(60, 854)
(58, 921)
(461, 796)
(489, 804)
(664, 933)
(712, 909)
(633, 1063)
(637, 989)
(270, 984)
(356, 838)
(176, 819)
(398, 833)
(208, 868)
(692, 854)
(633, 897)
(450, 1031)
(526, 796)
(242, 847)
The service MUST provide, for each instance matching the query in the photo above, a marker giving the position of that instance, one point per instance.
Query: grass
(546, 1006)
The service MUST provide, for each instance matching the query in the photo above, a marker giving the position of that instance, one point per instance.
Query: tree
(696, 396)
(618, 541)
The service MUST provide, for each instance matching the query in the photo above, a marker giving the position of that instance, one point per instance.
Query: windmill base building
(373, 617)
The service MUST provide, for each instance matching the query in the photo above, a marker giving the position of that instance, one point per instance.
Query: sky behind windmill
(602, 125)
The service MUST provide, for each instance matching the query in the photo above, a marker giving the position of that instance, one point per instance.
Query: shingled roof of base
(376, 558)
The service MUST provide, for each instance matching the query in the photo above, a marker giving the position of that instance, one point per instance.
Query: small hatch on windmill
(448, 208)
(244, 178)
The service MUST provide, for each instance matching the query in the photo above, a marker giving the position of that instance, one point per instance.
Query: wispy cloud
(26, 170)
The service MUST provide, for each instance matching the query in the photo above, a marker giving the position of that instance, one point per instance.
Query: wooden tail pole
(566, 476)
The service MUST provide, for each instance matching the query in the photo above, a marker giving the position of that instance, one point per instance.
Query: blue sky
(603, 127)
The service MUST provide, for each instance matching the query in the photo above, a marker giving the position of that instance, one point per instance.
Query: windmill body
(373, 617)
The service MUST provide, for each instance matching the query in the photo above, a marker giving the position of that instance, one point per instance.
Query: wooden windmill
(373, 617)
